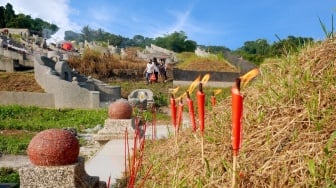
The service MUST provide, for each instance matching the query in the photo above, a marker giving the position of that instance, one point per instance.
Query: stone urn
(120, 109)
(53, 147)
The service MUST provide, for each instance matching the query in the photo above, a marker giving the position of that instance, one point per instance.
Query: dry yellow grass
(19, 82)
(288, 121)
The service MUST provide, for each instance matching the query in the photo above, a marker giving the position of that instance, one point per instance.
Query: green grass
(34, 119)
(15, 144)
(288, 131)
(38, 119)
(9, 175)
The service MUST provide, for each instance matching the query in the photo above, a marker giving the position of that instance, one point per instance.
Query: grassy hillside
(288, 138)
(190, 61)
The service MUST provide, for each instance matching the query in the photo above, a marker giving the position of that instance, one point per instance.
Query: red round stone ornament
(120, 109)
(53, 147)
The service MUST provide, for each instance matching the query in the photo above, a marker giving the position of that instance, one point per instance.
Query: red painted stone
(53, 147)
(120, 109)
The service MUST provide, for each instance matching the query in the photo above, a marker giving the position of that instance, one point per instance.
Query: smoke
(57, 37)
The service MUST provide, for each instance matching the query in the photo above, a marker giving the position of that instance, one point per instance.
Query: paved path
(110, 159)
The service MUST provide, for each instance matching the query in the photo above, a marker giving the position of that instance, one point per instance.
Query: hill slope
(19, 82)
(288, 127)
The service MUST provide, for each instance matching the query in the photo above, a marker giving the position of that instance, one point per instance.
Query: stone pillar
(94, 98)
(72, 175)
(120, 119)
(53, 154)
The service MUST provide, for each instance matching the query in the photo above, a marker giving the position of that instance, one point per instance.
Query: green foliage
(9, 13)
(328, 34)
(176, 42)
(2, 17)
(160, 99)
(38, 119)
(9, 175)
(214, 49)
(257, 51)
(16, 143)
(328, 150)
(73, 36)
(90, 34)
(8, 18)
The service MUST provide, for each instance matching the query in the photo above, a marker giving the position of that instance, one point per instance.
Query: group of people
(154, 69)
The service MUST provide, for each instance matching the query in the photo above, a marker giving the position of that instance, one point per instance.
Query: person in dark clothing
(156, 68)
(163, 69)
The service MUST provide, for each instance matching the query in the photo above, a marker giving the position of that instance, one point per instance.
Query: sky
(228, 23)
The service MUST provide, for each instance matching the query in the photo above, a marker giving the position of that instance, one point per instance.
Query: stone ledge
(67, 176)
(115, 129)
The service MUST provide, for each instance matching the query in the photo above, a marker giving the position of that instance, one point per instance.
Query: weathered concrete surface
(208, 84)
(110, 160)
(44, 100)
(73, 175)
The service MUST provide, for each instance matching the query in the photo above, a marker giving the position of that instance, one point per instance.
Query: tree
(290, 45)
(70, 35)
(139, 40)
(254, 51)
(190, 46)
(176, 42)
(2, 17)
(87, 33)
(9, 13)
(19, 21)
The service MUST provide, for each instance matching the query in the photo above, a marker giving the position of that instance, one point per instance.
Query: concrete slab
(110, 160)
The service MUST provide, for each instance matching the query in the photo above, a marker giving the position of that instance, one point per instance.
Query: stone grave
(120, 118)
(141, 98)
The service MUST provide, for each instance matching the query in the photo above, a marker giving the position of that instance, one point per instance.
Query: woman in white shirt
(149, 70)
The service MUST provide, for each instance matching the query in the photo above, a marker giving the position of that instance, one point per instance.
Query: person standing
(156, 69)
(149, 71)
(163, 69)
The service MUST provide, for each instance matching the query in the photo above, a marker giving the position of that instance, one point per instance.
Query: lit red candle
(191, 112)
(237, 112)
(201, 104)
(173, 110)
(180, 114)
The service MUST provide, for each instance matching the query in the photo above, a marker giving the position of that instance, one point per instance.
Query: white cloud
(53, 11)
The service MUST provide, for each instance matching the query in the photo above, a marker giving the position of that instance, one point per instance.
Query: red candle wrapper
(213, 100)
(201, 104)
(179, 114)
(237, 112)
(173, 110)
(191, 112)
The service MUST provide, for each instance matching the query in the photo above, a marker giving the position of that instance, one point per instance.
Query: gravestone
(63, 70)
(141, 98)
(120, 119)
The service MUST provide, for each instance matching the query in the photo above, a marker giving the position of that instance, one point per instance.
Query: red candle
(180, 114)
(191, 112)
(237, 112)
(201, 104)
(108, 182)
(213, 99)
(173, 110)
